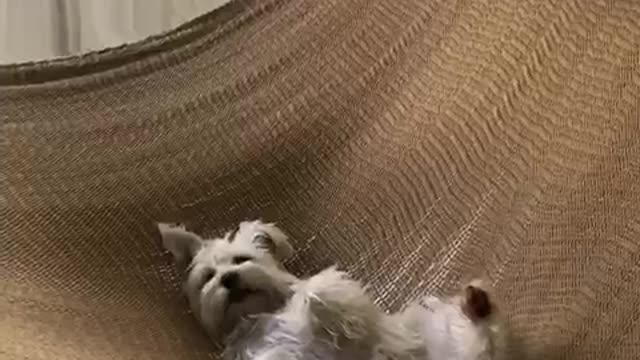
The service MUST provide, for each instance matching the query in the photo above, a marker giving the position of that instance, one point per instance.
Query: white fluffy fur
(270, 314)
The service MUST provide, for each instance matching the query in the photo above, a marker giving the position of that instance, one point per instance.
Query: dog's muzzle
(237, 292)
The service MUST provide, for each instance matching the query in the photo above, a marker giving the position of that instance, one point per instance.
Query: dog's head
(234, 276)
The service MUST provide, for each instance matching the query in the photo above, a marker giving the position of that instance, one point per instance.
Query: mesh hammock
(417, 143)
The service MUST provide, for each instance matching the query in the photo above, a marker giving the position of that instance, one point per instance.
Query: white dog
(240, 292)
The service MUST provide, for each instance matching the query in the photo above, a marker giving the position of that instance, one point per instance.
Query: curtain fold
(41, 29)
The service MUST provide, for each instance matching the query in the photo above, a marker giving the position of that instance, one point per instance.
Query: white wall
(41, 29)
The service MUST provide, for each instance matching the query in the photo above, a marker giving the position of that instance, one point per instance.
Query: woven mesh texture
(417, 143)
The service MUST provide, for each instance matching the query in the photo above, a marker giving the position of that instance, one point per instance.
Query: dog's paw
(339, 304)
(334, 288)
(476, 302)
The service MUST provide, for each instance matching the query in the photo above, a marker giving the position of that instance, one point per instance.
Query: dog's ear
(273, 239)
(182, 244)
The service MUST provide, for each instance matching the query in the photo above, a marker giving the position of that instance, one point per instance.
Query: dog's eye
(241, 259)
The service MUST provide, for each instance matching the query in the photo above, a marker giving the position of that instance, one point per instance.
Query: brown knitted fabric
(417, 143)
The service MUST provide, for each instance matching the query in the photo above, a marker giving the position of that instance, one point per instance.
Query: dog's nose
(230, 280)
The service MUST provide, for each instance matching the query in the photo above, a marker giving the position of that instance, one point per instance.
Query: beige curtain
(40, 29)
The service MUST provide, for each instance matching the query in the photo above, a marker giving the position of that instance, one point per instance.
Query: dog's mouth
(239, 295)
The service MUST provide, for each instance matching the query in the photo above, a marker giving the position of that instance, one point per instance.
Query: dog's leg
(336, 304)
(465, 326)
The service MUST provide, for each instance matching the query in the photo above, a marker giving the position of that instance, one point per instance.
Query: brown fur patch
(477, 305)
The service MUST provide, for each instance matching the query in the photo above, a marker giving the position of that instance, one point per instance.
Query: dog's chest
(266, 335)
